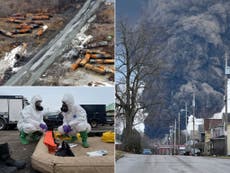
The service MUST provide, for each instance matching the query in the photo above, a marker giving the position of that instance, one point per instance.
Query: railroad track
(32, 71)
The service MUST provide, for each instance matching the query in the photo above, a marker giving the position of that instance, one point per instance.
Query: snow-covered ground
(9, 59)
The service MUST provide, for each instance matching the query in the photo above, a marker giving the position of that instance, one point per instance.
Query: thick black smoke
(198, 38)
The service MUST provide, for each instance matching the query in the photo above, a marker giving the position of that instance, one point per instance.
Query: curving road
(171, 164)
(29, 73)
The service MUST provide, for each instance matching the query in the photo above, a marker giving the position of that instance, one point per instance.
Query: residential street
(171, 164)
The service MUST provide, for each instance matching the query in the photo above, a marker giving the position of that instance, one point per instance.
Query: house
(228, 135)
(214, 142)
(218, 140)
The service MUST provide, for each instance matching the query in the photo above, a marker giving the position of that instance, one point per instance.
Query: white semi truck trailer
(10, 108)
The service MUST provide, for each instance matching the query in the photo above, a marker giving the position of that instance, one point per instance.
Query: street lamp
(227, 73)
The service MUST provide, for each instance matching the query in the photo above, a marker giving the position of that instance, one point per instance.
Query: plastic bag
(97, 153)
(64, 151)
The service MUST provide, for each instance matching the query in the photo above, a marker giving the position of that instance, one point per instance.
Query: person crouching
(74, 121)
(31, 121)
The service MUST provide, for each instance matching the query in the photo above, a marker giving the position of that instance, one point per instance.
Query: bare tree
(135, 63)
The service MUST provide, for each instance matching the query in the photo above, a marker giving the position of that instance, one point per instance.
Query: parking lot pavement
(17, 150)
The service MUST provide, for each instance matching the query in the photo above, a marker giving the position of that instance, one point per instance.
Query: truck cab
(96, 114)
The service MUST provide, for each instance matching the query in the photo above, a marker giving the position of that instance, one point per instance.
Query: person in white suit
(31, 120)
(75, 120)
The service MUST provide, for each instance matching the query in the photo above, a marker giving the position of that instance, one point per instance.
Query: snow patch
(16, 69)
(9, 59)
(81, 38)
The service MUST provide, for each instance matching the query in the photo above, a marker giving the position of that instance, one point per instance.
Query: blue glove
(67, 128)
(43, 127)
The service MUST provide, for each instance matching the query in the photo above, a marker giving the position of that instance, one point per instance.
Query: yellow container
(58, 135)
(78, 137)
(108, 137)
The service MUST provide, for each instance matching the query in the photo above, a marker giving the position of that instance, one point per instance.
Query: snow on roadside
(9, 59)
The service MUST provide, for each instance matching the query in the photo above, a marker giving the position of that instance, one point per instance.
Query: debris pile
(94, 60)
(27, 24)
(90, 54)
(6, 33)
(80, 56)
(97, 84)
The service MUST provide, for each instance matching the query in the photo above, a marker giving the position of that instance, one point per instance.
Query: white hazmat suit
(30, 118)
(75, 117)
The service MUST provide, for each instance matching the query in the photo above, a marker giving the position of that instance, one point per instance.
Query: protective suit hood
(69, 101)
(30, 118)
(75, 117)
(34, 100)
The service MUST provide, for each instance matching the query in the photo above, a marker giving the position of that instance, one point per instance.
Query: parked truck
(96, 114)
(10, 108)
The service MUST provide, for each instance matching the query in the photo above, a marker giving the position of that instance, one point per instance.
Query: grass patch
(219, 157)
(223, 157)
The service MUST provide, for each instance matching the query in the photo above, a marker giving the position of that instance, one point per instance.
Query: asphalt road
(171, 164)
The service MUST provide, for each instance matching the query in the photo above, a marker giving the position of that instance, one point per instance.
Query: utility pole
(186, 122)
(171, 139)
(226, 91)
(179, 128)
(174, 146)
(193, 121)
(227, 72)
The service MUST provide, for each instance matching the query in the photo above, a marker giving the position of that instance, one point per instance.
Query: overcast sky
(52, 96)
(129, 9)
